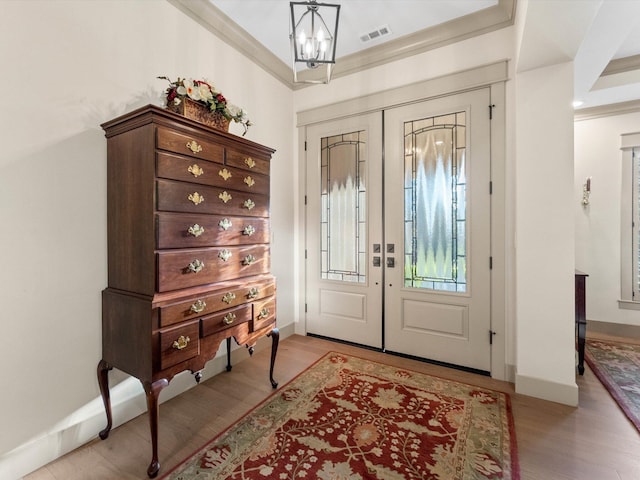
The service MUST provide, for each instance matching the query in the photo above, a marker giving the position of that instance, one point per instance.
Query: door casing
(493, 76)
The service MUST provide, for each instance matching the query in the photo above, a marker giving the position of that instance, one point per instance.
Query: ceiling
(601, 36)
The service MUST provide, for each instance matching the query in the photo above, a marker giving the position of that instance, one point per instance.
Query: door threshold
(484, 373)
(476, 371)
(345, 342)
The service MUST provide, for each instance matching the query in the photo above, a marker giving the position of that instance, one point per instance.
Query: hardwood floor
(555, 442)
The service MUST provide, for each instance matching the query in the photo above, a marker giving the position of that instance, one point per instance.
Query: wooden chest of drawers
(188, 251)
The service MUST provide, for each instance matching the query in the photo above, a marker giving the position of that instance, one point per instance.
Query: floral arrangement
(204, 93)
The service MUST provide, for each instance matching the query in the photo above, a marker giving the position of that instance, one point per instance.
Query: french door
(344, 230)
(398, 250)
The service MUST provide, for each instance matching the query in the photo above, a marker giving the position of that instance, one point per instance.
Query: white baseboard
(127, 402)
(566, 394)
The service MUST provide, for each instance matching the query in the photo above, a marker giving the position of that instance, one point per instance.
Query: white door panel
(344, 221)
(437, 174)
(427, 265)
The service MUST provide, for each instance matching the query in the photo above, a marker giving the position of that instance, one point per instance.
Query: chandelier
(313, 38)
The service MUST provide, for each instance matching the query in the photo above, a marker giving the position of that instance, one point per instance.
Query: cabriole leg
(103, 383)
(152, 390)
(275, 339)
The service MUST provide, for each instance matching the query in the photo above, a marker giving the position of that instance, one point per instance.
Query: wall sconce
(313, 37)
(586, 191)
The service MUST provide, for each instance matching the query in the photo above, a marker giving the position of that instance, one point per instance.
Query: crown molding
(478, 23)
(607, 110)
(214, 20)
(622, 65)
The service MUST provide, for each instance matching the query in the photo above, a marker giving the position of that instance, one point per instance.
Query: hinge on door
(491, 334)
(305, 253)
(305, 308)
(305, 145)
(305, 199)
(490, 263)
(491, 107)
(490, 188)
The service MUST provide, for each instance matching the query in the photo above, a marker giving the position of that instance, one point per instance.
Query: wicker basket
(200, 113)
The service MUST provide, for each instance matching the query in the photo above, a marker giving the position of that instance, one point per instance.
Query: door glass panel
(435, 203)
(343, 202)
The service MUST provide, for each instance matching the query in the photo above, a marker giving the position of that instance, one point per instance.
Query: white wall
(597, 227)
(544, 234)
(68, 66)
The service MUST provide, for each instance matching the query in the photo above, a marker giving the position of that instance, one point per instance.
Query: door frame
(493, 76)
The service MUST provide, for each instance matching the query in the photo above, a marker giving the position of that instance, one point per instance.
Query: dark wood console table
(581, 316)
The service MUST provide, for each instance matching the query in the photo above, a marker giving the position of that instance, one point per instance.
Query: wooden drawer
(193, 146)
(223, 320)
(188, 268)
(192, 198)
(179, 343)
(188, 169)
(264, 313)
(245, 161)
(232, 294)
(186, 230)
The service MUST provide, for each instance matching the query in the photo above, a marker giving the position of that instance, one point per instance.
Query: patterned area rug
(617, 365)
(346, 418)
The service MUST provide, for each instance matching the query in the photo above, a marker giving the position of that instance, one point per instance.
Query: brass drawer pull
(195, 170)
(248, 260)
(196, 198)
(198, 306)
(249, 230)
(195, 230)
(249, 181)
(194, 147)
(264, 313)
(229, 318)
(253, 293)
(225, 174)
(229, 297)
(249, 162)
(249, 204)
(225, 255)
(225, 224)
(225, 197)
(181, 342)
(196, 266)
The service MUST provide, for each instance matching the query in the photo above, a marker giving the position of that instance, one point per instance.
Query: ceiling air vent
(377, 33)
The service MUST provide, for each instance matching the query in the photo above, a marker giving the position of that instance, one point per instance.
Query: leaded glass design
(435, 203)
(343, 206)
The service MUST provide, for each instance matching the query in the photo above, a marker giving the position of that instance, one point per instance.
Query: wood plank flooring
(555, 442)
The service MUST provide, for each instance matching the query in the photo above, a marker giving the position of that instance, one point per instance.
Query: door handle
(391, 262)
(376, 261)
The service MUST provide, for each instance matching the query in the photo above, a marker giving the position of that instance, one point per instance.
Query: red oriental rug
(617, 366)
(346, 418)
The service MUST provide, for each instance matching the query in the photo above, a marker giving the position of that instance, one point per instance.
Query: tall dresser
(188, 251)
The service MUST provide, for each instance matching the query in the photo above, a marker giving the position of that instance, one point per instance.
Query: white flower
(177, 101)
(191, 90)
(234, 110)
(205, 92)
